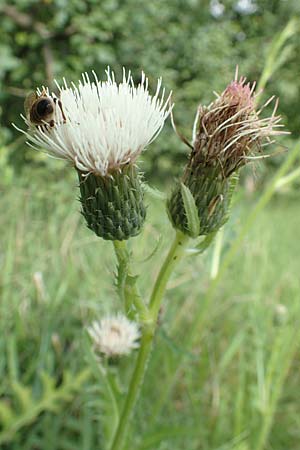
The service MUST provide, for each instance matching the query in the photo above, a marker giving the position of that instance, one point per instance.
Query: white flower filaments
(227, 135)
(114, 335)
(107, 124)
(106, 127)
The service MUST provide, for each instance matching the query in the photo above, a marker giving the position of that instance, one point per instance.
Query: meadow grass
(236, 388)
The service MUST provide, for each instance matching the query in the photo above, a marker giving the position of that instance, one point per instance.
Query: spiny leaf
(23, 395)
(191, 211)
(51, 399)
(47, 382)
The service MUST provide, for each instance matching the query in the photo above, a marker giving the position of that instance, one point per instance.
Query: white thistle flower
(107, 124)
(114, 335)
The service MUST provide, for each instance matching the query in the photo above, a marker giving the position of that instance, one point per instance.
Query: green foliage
(239, 380)
(6, 169)
(28, 408)
(279, 53)
(195, 52)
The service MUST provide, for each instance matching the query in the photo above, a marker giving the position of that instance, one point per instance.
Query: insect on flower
(108, 123)
(103, 128)
(40, 108)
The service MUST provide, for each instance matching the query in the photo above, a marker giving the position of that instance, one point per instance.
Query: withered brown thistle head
(226, 135)
(229, 132)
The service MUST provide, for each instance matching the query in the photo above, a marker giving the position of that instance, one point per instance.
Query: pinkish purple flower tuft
(230, 130)
(239, 95)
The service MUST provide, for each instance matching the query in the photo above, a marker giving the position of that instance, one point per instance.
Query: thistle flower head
(114, 335)
(101, 125)
(229, 131)
(226, 135)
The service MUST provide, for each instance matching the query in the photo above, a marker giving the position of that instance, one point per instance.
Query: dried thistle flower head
(101, 127)
(226, 135)
(114, 335)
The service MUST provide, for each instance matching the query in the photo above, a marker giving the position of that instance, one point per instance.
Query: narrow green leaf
(203, 245)
(154, 251)
(153, 440)
(276, 57)
(191, 211)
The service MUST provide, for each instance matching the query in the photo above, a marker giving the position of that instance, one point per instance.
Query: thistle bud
(101, 128)
(226, 135)
(113, 206)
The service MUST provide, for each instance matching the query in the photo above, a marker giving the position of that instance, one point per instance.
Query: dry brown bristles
(229, 130)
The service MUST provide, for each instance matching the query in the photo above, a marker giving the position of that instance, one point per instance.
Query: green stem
(134, 388)
(288, 178)
(175, 252)
(127, 287)
(174, 255)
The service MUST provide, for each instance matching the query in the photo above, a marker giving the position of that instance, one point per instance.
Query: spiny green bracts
(113, 205)
(226, 134)
(212, 195)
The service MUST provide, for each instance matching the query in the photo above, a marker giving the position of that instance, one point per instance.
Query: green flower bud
(113, 205)
(212, 195)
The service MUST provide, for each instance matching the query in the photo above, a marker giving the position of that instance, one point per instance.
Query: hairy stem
(126, 282)
(134, 388)
(175, 252)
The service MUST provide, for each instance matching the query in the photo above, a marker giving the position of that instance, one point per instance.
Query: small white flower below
(114, 335)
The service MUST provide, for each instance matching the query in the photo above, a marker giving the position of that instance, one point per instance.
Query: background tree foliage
(191, 43)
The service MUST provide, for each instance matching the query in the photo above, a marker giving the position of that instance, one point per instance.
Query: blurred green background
(233, 382)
